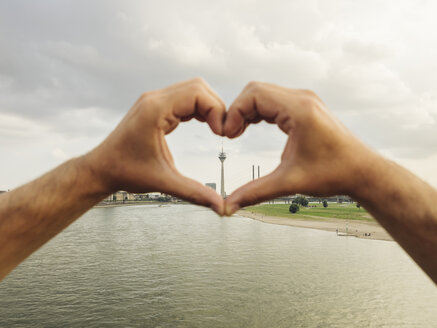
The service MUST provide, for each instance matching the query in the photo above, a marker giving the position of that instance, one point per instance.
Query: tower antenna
(222, 157)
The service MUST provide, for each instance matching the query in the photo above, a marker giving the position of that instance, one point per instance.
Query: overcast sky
(69, 71)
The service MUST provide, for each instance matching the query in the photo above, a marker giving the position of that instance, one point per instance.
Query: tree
(325, 203)
(294, 208)
(300, 200)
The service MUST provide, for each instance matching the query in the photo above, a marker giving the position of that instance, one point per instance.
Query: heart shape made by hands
(318, 158)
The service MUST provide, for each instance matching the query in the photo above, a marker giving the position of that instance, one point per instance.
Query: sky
(70, 70)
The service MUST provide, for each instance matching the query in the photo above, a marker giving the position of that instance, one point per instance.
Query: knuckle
(148, 97)
(308, 92)
(307, 109)
(311, 94)
(198, 81)
(196, 85)
(144, 97)
(309, 103)
(148, 100)
(254, 86)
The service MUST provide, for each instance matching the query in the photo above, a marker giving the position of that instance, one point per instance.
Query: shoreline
(355, 228)
(118, 204)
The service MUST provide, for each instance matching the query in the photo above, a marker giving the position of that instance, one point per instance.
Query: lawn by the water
(339, 211)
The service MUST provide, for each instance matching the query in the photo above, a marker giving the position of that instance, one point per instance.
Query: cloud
(16, 128)
(70, 70)
(59, 154)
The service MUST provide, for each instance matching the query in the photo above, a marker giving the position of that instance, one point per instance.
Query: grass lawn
(338, 211)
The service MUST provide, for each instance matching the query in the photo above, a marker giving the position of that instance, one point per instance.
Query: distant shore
(355, 228)
(133, 203)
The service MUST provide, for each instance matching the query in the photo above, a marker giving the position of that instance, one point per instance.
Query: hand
(135, 156)
(321, 157)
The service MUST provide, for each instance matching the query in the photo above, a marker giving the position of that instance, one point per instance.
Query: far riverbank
(359, 229)
(136, 203)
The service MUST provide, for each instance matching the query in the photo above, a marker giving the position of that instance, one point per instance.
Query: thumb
(254, 192)
(188, 189)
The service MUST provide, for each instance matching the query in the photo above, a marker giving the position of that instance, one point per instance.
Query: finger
(196, 99)
(212, 112)
(197, 116)
(257, 191)
(202, 82)
(255, 103)
(214, 94)
(219, 118)
(235, 124)
(185, 188)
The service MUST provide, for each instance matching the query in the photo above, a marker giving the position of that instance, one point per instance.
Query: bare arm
(134, 157)
(405, 206)
(37, 211)
(322, 157)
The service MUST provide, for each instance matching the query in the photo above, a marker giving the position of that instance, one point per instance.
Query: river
(183, 266)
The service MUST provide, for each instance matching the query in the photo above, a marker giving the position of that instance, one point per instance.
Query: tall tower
(222, 157)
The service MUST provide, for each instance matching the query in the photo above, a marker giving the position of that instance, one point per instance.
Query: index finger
(195, 98)
(255, 103)
(268, 102)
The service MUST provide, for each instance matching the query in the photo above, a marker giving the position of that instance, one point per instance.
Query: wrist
(371, 171)
(97, 181)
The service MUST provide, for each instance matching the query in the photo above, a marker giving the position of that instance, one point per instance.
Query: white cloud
(70, 70)
(59, 154)
(15, 128)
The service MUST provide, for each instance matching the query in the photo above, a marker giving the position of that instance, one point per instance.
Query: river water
(183, 266)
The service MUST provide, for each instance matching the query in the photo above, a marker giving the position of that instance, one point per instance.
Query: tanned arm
(37, 211)
(134, 157)
(404, 205)
(322, 158)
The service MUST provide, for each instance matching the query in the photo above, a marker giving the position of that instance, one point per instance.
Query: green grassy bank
(338, 211)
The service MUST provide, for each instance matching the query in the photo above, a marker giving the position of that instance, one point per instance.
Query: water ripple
(182, 266)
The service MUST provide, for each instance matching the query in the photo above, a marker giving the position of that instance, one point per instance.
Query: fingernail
(218, 209)
(229, 129)
(231, 209)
